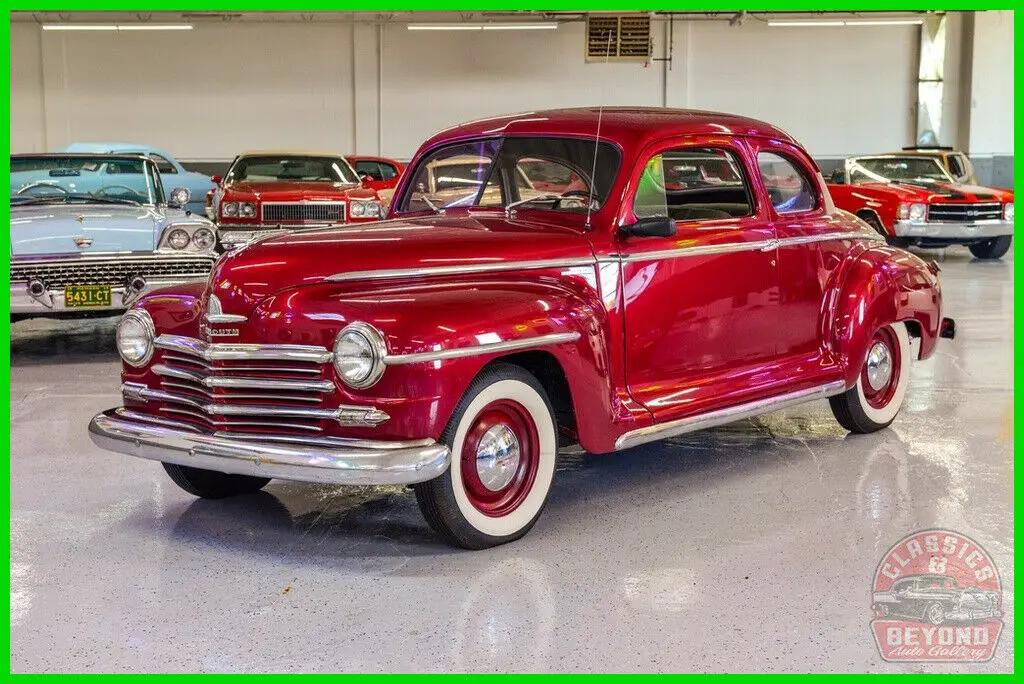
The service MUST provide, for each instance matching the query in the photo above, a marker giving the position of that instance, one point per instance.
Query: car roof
(121, 156)
(100, 147)
(370, 157)
(623, 125)
(290, 153)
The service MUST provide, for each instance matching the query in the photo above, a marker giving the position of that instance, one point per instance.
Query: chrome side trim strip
(426, 271)
(703, 421)
(732, 247)
(224, 351)
(365, 416)
(243, 383)
(480, 349)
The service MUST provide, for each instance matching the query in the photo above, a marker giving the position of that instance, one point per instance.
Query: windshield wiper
(17, 200)
(436, 209)
(546, 197)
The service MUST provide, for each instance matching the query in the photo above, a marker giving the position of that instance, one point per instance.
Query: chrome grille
(275, 389)
(303, 212)
(60, 273)
(965, 213)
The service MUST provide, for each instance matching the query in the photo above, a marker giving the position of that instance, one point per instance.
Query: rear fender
(879, 286)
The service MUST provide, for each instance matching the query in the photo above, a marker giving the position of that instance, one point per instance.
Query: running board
(703, 421)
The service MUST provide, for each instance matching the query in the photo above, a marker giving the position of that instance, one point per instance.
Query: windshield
(555, 174)
(898, 170)
(82, 178)
(270, 169)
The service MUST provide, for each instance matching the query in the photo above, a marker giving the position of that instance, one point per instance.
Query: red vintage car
(912, 200)
(379, 173)
(457, 346)
(283, 190)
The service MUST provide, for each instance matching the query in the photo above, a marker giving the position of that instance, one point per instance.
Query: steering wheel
(102, 192)
(42, 184)
(586, 195)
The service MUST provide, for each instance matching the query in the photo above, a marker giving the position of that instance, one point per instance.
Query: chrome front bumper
(324, 460)
(953, 231)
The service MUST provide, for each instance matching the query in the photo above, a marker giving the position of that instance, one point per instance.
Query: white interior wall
(992, 84)
(209, 93)
(840, 91)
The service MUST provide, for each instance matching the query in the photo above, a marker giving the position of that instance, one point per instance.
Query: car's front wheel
(935, 614)
(209, 484)
(991, 249)
(503, 440)
(873, 402)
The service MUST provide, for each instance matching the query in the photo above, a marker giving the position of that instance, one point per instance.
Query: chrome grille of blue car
(114, 271)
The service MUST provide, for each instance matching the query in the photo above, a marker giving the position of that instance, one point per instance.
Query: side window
(694, 184)
(369, 168)
(164, 165)
(452, 176)
(955, 166)
(387, 171)
(789, 187)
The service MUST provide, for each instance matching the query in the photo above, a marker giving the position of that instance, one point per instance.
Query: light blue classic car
(91, 233)
(175, 175)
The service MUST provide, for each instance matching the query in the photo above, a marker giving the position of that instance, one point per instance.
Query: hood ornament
(215, 313)
(83, 242)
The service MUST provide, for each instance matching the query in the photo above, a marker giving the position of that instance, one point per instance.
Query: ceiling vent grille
(618, 37)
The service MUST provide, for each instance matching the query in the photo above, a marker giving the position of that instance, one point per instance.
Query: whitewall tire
(873, 402)
(504, 441)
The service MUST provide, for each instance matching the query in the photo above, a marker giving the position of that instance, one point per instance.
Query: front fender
(421, 396)
(879, 286)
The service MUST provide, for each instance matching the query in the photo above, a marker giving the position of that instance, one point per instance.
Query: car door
(811, 247)
(699, 304)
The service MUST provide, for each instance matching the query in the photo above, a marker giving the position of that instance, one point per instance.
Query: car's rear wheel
(873, 402)
(209, 484)
(503, 440)
(991, 249)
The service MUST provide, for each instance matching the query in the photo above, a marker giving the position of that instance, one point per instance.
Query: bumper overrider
(936, 230)
(326, 460)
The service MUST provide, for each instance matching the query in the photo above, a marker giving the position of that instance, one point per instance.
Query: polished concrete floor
(746, 548)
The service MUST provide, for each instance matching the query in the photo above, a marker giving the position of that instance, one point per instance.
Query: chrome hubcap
(879, 366)
(497, 457)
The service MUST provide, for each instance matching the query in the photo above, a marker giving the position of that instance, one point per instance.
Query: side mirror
(217, 180)
(179, 197)
(652, 226)
(365, 180)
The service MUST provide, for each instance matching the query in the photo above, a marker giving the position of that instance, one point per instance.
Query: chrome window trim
(703, 421)
(480, 349)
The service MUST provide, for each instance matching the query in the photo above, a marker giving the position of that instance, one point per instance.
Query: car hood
(944, 192)
(296, 191)
(244, 277)
(53, 229)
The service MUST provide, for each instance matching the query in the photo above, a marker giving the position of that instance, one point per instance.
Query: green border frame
(491, 5)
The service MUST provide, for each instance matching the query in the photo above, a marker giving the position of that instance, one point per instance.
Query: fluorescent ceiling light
(850, 22)
(117, 27)
(483, 27)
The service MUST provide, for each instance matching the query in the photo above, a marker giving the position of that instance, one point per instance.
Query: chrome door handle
(770, 245)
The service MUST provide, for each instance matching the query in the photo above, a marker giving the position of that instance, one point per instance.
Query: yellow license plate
(86, 295)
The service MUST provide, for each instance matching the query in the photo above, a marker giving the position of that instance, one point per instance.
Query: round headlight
(178, 239)
(229, 209)
(1008, 212)
(204, 238)
(359, 353)
(917, 212)
(134, 336)
(374, 209)
(358, 209)
(246, 209)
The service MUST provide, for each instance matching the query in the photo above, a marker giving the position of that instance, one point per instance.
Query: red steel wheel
(880, 375)
(500, 458)
(877, 396)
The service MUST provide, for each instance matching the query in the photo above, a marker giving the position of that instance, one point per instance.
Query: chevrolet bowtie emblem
(83, 242)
